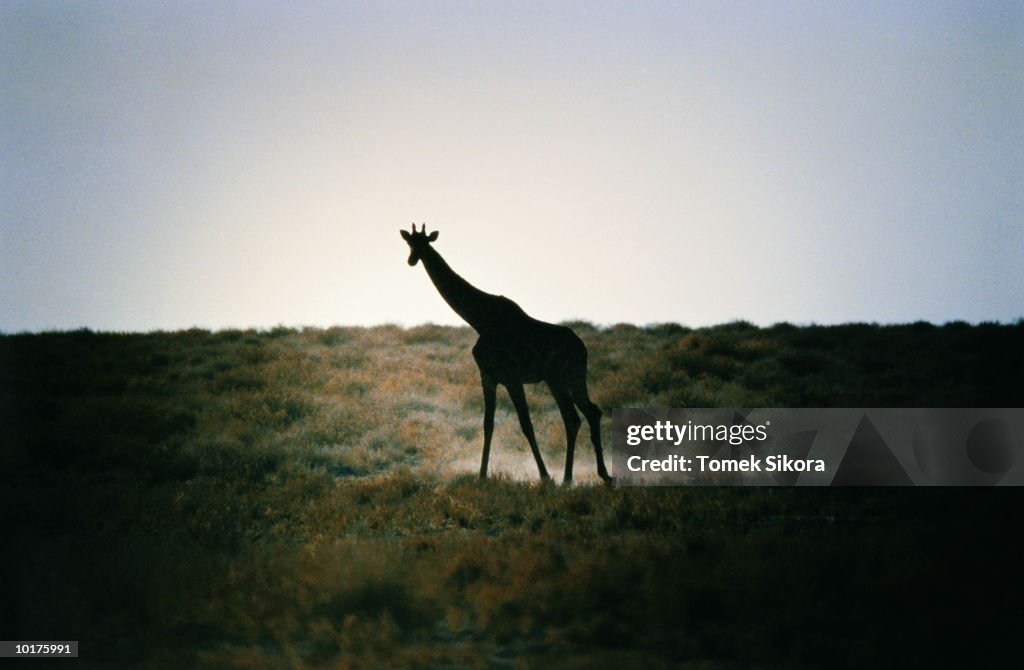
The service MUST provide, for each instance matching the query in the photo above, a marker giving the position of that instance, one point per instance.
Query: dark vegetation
(305, 498)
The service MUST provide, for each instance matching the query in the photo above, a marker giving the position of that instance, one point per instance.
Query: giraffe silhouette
(515, 349)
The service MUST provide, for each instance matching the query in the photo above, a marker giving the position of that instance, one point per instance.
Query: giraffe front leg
(489, 391)
(519, 400)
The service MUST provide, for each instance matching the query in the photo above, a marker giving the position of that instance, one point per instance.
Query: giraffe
(515, 349)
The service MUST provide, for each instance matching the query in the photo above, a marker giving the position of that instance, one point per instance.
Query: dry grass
(305, 498)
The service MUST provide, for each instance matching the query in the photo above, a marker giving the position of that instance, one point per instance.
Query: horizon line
(1017, 321)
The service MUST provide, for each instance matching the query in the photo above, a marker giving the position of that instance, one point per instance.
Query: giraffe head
(418, 241)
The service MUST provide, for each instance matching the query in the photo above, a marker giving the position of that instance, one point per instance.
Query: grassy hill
(306, 498)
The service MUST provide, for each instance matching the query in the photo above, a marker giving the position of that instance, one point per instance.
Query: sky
(170, 164)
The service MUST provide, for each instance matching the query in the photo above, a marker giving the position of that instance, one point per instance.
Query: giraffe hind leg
(572, 426)
(581, 397)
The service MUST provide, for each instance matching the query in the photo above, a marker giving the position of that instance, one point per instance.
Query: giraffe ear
(432, 237)
(405, 235)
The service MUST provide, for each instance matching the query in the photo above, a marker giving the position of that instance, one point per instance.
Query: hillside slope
(305, 498)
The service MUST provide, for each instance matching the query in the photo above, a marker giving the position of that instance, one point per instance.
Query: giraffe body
(516, 349)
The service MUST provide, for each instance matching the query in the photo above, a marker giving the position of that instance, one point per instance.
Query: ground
(307, 498)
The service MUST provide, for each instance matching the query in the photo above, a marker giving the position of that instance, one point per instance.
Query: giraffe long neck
(469, 302)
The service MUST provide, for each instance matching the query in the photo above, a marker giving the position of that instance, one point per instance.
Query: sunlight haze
(232, 164)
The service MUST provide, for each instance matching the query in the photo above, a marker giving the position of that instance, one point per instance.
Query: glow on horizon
(168, 165)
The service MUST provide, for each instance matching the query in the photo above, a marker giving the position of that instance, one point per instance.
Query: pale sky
(247, 164)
